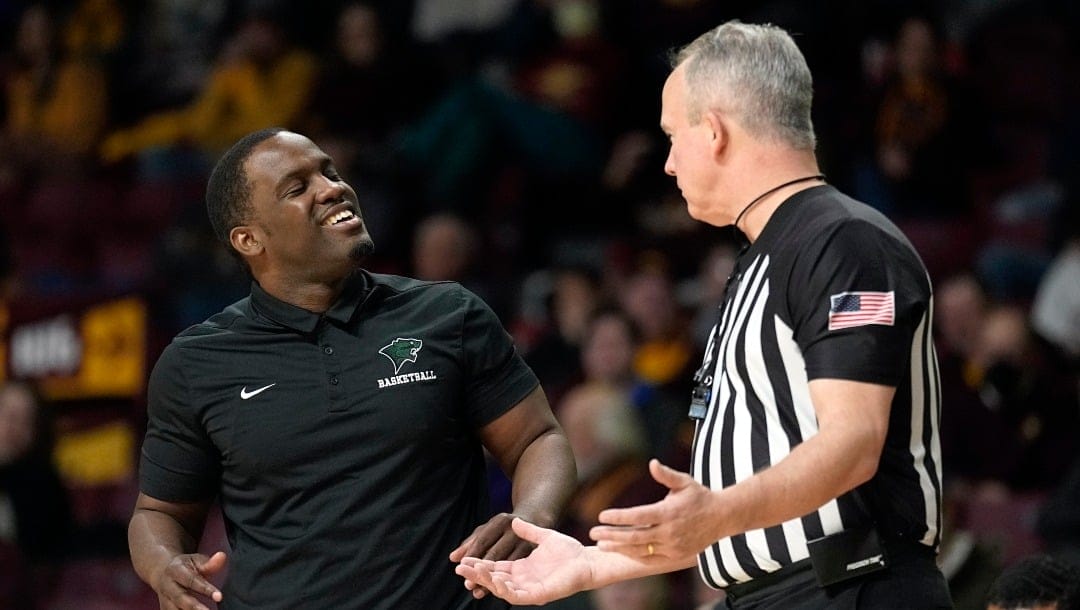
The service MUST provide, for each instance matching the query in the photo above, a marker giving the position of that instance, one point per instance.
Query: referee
(339, 417)
(816, 477)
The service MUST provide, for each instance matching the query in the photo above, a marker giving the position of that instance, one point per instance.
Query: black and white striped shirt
(830, 289)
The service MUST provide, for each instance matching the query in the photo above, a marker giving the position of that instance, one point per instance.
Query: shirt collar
(787, 208)
(357, 289)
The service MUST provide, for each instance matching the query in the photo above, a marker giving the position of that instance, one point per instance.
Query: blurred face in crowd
(601, 427)
(651, 304)
(443, 249)
(262, 38)
(960, 306)
(608, 351)
(690, 157)
(34, 37)
(916, 49)
(306, 218)
(18, 411)
(1002, 338)
(574, 301)
(358, 37)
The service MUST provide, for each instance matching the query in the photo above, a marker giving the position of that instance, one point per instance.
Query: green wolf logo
(401, 351)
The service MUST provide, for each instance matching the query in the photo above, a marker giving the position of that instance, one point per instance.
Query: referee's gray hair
(757, 74)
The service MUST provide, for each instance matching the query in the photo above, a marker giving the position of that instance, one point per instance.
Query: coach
(816, 477)
(338, 416)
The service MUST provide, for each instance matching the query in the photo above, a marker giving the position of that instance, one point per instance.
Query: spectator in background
(916, 169)
(580, 72)
(35, 513)
(608, 351)
(7, 274)
(1037, 583)
(359, 105)
(537, 121)
(1023, 431)
(444, 248)
(610, 451)
(707, 289)
(260, 80)
(961, 306)
(556, 356)
(360, 100)
(95, 28)
(167, 56)
(56, 104)
(666, 350)
(1055, 314)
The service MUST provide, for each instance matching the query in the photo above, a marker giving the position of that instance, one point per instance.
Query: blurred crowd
(512, 145)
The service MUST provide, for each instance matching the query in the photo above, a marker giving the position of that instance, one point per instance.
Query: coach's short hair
(228, 191)
(757, 74)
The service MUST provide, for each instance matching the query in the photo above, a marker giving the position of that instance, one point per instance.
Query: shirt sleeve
(179, 463)
(856, 298)
(496, 377)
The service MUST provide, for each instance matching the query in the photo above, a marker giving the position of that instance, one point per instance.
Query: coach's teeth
(339, 217)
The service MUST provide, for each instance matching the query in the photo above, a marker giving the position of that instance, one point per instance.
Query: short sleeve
(178, 462)
(496, 377)
(856, 298)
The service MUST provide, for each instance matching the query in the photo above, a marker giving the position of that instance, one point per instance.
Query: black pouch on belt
(846, 555)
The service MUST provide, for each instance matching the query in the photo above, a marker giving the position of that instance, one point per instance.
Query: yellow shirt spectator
(240, 97)
(67, 109)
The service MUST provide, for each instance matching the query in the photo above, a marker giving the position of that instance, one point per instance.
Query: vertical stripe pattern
(760, 409)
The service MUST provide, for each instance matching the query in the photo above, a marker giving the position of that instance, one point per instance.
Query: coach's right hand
(185, 577)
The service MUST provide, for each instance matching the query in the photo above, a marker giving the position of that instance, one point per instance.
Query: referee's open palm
(676, 527)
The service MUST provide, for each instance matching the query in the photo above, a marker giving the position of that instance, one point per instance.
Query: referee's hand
(676, 527)
(184, 581)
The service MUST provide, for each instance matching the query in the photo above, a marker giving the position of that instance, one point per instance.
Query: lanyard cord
(773, 190)
(702, 396)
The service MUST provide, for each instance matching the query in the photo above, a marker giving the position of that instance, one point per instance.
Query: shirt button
(328, 350)
(333, 381)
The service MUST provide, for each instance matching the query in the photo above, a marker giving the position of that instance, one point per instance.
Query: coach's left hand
(494, 540)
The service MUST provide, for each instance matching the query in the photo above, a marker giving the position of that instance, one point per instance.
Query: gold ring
(651, 549)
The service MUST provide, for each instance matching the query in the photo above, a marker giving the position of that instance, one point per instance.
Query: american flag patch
(850, 309)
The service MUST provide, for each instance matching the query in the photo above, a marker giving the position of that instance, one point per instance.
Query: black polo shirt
(343, 447)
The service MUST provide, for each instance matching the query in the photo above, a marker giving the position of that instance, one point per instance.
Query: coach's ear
(245, 239)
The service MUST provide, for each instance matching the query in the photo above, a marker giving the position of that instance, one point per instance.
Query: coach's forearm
(154, 539)
(544, 479)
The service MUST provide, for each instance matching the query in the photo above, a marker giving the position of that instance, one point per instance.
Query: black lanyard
(701, 395)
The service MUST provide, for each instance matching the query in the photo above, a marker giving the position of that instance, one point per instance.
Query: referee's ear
(245, 240)
(721, 131)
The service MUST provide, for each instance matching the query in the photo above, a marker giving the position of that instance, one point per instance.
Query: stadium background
(513, 145)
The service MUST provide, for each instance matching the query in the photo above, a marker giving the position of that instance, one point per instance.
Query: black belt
(738, 590)
(898, 549)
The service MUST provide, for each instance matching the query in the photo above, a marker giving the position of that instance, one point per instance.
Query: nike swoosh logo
(244, 394)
